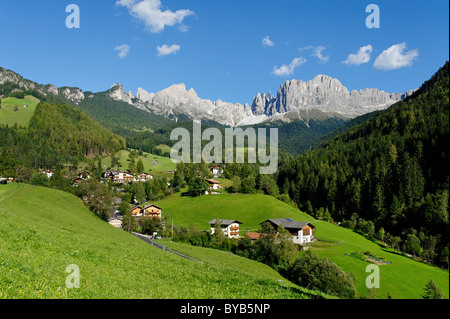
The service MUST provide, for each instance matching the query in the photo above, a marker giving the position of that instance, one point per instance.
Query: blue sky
(216, 46)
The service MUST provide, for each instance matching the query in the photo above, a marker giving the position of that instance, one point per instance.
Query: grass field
(163, 164)
(404, 278)
(23, 116)
(251, 210)
(42, 231)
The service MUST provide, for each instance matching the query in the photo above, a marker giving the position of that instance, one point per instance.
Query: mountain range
(321, 98)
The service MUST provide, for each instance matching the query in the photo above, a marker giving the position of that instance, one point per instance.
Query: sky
(228, 50)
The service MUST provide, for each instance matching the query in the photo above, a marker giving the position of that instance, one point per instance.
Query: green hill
(152, 163)
(22, 116)
(43, 231)
(404, 278)
(70, 131)
(391, 170)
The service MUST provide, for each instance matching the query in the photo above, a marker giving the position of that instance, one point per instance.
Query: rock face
(177, 100)
(117, 92)
(324, 94)
(75, 95)
(10, 76)
(72, 94)
(320, 98)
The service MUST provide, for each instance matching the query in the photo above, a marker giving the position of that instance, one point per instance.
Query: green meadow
(405, 278)
(22, 116)
(43, 231)
(152, 163)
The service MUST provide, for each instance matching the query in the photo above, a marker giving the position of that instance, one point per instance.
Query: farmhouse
(230, 227)
(84, 175)
(116, 222)
(137, 211)
(144, 177)
(108, 174)
(215, 171)
(49, 173)
(152, 211)
(213, 184)
(120, 177)
(302, 232)
(76, 181)
(6, 180)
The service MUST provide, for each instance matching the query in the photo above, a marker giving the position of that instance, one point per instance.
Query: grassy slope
(405, 278)
(164, 163)
(42, 231)
(23, 116)
(248, 209)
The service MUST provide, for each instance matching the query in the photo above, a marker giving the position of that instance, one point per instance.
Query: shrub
(316, 273)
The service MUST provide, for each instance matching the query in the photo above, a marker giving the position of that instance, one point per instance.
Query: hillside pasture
(405, 278)
(22, 116)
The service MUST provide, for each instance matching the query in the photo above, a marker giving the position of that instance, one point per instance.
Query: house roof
(148, 206)
(289, 223)
(253, 236)
(225, 222)
(212, 181)
(256, 236)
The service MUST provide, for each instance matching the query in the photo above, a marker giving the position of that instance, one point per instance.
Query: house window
(306, 232)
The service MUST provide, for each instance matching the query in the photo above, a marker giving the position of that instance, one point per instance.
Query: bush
(40, 179)
(322, 274)
(18, 95)
(432, 291)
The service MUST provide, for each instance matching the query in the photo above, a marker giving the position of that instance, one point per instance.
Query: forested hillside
(57, 134)
(118, 116)
(388, 175)
(297, 137)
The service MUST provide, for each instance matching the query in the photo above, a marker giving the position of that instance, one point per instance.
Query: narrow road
(149, 240)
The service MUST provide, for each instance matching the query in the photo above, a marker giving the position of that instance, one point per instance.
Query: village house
(255, 236)
(122, 177)
(108, 174)
(213, 186)
(215, 171)
(49, 173)
(144, 177)
(302, 232)
(137, 211)
(84, 175)
(5, 181)
(76, 181)
(116, 222)
(230, 227)
(151, 211)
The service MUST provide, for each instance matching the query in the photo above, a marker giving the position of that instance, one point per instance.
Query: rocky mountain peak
(117, 92)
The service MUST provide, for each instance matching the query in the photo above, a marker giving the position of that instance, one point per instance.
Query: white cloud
(363, 56)
(123, 49)
(286, 70)
(317, 52)
(266, 42)
(153, 15)
(166, 50)
(394, 57)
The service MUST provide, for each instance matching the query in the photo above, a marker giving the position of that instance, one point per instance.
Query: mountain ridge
(320, 98)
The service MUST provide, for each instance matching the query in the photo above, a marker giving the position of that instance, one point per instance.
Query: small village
(302, 232)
